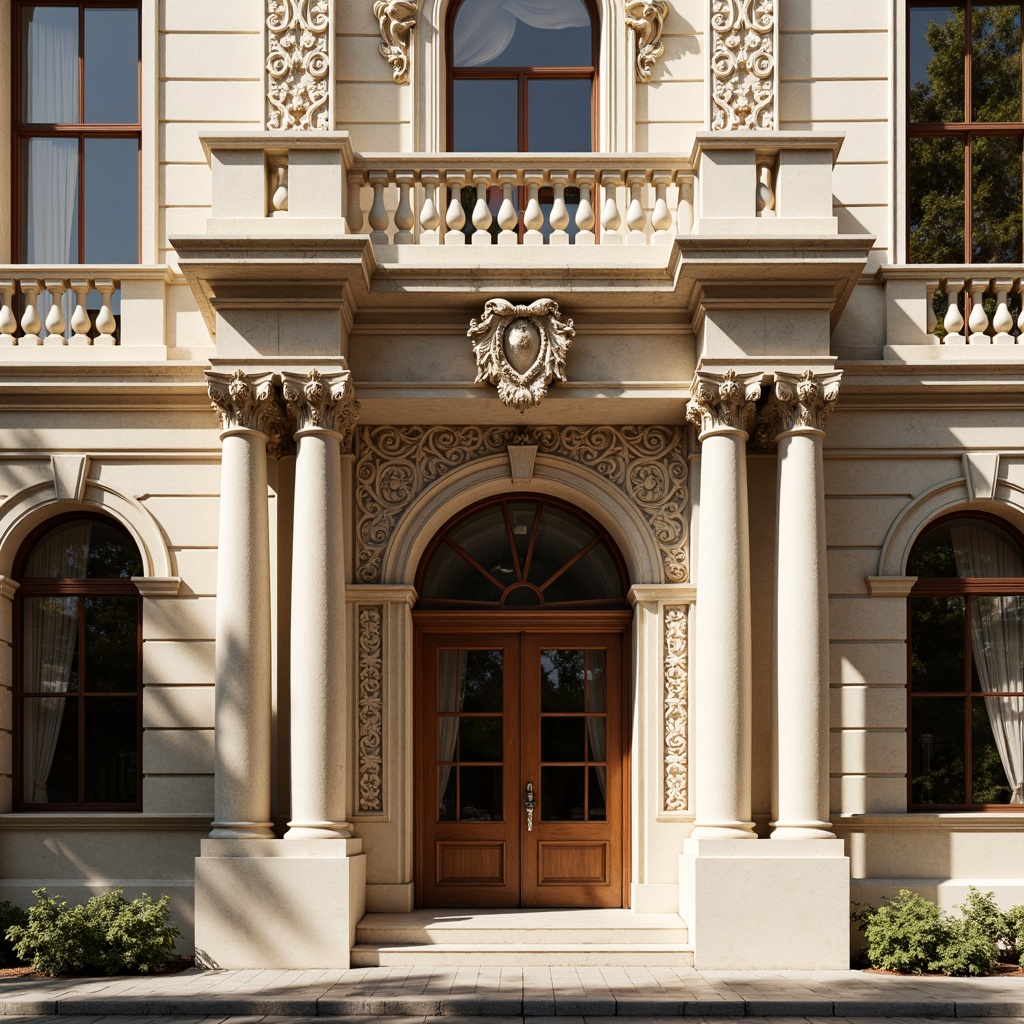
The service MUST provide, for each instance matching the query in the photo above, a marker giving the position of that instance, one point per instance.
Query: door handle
(529, 803)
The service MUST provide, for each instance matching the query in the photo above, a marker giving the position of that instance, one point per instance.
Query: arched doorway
(521, 709)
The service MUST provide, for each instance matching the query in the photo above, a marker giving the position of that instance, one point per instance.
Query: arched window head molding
(489, 478)
(616, 79)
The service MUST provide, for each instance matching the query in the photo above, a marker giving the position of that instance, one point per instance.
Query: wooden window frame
(966, 587)
(80, 588)
(22, 131)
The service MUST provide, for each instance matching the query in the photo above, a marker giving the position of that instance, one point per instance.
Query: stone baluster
(279, 180)
(765, 197)
(661, 217)
(930, 291)
(482, 217)
(455, 217)
(533, 218)
(585, 218)
(378, 218)
(722, 408)
(508, 216)
(430, 218)
(636, 218)
(610, 217)
(55, 323)
(684, 213)
(242, 695)
(1002, 322)
(31, 325)
(799, 407)
(106, 324)
(1020, 326)
(403, 213)
(354, 211)
(978, 320)
(8, 321)
(559, 217)
(81, 325)
(326, 411)
(953, 321)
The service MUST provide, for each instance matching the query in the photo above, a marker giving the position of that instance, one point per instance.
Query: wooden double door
(520, 781)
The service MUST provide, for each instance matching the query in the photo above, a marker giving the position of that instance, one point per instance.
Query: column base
(278, 905)
(318, 830)
(241, 830)
(766, 906)
(723, 830)
(802, 830)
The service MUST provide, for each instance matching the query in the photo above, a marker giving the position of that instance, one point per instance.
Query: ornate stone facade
(371, 711)
(244, 401)
(723, 401)
(299, 74)
(397, 20)
(676, 723)
(394, 464)
(327, 402)
(743, 65)
(802, 402)
(647, 18)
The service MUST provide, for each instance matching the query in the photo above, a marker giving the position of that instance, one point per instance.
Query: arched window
(78, 667)
(967, 666)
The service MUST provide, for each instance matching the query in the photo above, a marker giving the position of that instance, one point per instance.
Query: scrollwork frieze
(371, 710)
(676, 711)
(743, 65)
(299, 79)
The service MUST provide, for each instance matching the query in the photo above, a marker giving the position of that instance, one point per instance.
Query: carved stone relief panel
(371, 710)
(299, 74)
(647, 18)
(676, 721)
(744, 45)
(397, 20)
(395, 464)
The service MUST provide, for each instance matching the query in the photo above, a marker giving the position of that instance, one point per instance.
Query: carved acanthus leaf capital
(244, 401)
(743, 65)
(802, 402)
(397, 20)
(322, 401)
(299, 79)
(647, 18)
(720, 402)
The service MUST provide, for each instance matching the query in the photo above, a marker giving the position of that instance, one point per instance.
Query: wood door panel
(471, 863)
(573, 862)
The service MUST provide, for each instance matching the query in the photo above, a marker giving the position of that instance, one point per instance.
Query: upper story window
(966, 131)
(967, 666)
(78, 655)
(77, 132)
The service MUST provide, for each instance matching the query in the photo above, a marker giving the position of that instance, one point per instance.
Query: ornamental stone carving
(521, 349)
(324, 402)
(299, 79)
(676, 721)
(397, 20)
(744, 35)
(802, 403)
(647, 18)
(395, 464)
(720, 402)
(371, 711)
(244, 402)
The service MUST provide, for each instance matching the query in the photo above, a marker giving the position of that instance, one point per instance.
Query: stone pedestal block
(275, 904)
(766, 906)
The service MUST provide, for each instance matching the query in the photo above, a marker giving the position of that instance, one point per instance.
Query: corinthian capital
(802, 403)
(244, 401)
(721, 402)
(322, 402)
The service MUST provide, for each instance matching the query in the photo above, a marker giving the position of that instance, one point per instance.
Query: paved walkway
(415, 994)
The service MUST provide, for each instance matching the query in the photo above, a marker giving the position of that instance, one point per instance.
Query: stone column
(798, 409)
(722, 408)
(326, 411)
(248, 406)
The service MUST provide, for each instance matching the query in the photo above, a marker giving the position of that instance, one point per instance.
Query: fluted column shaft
(798, 409)
(325, 411)
(242, 697)
(722, 407)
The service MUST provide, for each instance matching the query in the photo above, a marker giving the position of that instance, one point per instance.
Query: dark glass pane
(936, 64)
(49, 627)
(485, 116)
(561, 739)
(595, 794)
(111, 201)
(937, 750)
(111, 644)
(480, 793)
(596, 685)
(49, 204)
(561, 680)
(556, 33)
(995, 62)
(937, 644)
(523, 596)
(996, 199)
(988, 777)
(966, 547)
(523, 515)
(480, 673)
(49, 77)
(447, 782)
(559, 116)
(596, 746)
(111, 65)
(562, 794)
(484, 537)
(593, 577)
(937, 200)
(111, 750)
(49, 745)
(480, 739)
(84, 548)
(452, 577)
(559, 536)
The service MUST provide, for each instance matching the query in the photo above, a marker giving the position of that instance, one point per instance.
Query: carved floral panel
(299, 78)
(371, 710)
(743, 65)
(676, 719)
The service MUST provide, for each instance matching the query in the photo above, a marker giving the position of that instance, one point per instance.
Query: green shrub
(903, 934)
(9, 915)
(1015, 935)
(106, 935)
(966, 948)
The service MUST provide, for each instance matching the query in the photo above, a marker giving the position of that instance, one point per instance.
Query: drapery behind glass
(997, 640)
(484, 28)
(50, 630)
(451, 674)
(596, 689)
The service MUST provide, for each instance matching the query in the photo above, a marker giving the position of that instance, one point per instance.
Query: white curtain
(484, 28)
(50, 630)
(596, 691)
(997, 640)
(451, 674)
